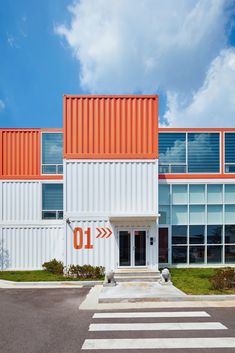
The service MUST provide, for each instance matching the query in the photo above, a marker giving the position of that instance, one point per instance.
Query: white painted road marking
(159, 343)
(150, 314)
(158, 326)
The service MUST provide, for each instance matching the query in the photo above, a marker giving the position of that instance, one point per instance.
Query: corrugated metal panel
(103, 252)
(20, 153)
(30, 247)
(111, 187)
(21, 201)
(110, 127)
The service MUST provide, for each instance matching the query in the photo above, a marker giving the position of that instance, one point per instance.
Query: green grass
(195, 281)
(36, 276)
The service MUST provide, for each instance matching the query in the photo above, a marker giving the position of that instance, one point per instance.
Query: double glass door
(132, 247)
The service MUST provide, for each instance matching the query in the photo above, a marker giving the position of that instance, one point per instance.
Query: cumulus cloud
(213, 104)
(2, 105)
(141, 46)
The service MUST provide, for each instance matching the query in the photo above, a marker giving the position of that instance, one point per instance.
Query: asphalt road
(49, 321)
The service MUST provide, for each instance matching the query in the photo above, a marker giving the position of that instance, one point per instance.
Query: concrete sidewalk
(139, 296)
(139, 291)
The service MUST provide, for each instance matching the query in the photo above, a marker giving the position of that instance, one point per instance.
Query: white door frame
(132, 245)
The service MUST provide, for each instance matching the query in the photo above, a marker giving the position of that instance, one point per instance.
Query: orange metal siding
(110, 127)
(20, 154)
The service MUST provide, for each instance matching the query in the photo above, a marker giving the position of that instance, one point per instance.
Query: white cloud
(214, 102)
(2, 105)
(132, 46)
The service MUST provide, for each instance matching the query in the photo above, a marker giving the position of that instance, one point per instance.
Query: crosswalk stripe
(158, 314)
(158, 326)
(159, 343)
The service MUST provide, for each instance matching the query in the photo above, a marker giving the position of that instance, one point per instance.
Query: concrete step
(139, 274)
(136, 279)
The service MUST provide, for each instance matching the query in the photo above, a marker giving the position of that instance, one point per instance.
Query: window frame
(56, 165)
(169, 165)
(57, 211)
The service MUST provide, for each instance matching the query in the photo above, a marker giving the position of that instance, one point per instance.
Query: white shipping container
(110, 187)
(27, 248)
(20, 201)
(104, 250)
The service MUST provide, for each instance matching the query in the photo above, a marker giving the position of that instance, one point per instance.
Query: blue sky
(185, 53)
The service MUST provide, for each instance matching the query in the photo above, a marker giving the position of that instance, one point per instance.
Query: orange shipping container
(110, 127)
(20, 154)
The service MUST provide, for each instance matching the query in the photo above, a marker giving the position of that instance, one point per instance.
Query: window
(172, 152)
(214, 234)
(229, 152)
(196, 234)
(203, 152)
(181, 152)
(179, 235)
(52, 153)
(52, 201)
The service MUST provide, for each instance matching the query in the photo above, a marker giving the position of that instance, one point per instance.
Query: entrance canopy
(135, 217)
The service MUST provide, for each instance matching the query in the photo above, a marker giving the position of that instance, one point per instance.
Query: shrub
(223, 278)
(54, 266)
(86, 271)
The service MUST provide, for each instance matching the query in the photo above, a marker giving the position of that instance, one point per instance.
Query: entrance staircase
(136, 275)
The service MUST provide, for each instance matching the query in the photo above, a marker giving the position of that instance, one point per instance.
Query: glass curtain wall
(202, 222)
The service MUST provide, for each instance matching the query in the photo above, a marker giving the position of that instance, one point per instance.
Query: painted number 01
(78, 238)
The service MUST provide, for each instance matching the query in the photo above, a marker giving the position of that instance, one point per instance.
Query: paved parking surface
(48, 321)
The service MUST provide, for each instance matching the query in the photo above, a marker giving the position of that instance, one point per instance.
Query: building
(113, 189)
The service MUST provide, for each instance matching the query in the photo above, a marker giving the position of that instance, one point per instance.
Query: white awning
(133, 217)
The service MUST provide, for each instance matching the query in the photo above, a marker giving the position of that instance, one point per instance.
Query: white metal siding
(21, 201)
(110, 187)
(103, 252)
(29, 247)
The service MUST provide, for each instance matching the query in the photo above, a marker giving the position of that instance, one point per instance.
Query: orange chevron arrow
(109, 232)
(99, 234)
(105, 232)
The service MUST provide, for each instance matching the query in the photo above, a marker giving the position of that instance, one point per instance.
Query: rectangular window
(229, 152)
(203, 152)
(214, 234)
(52, 153)
(179, 254)
(196, 254)
(196, 234)
(180, 214)
(164, 194)
(179, 194)
(179, 235)
(214, 254)
(196, 214)
(229, 234)
(52, 201)
(172, 152)
(214, 193)
(197, 194)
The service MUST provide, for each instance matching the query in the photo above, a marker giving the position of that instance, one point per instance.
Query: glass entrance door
(132, 247)
(163, 245)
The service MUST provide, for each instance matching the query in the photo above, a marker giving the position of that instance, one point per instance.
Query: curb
(53, 284)
(186, 298)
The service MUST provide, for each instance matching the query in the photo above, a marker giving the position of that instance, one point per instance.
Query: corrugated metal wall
(103, 252)
(20, 201)
(105, 187)
(110, 127)
(20, 153)
(26, 241)
(29, 247)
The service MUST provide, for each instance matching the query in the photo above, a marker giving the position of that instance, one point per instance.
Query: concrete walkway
(99, 298)
(139, 291)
